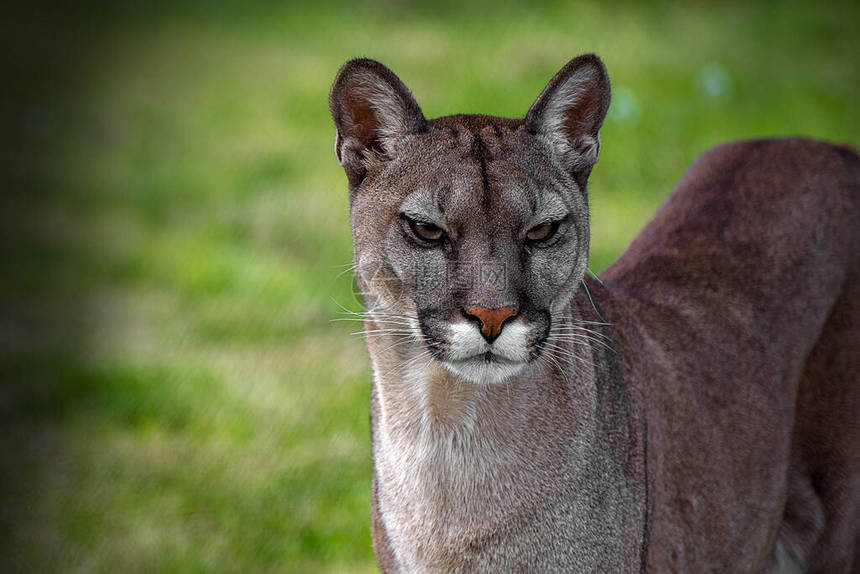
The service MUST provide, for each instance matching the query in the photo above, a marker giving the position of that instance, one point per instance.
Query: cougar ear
(372, 110)
(569, 112)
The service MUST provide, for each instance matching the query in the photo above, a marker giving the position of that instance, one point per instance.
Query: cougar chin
(487, 369)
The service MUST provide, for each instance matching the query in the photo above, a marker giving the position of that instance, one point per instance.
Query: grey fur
(568, 444)
(520, 478)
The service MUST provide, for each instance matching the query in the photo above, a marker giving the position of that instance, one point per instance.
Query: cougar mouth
(487, 357)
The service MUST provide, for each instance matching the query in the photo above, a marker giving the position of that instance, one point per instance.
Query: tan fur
(696, 408)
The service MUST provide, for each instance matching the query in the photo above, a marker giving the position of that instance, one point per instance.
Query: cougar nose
(491, 319)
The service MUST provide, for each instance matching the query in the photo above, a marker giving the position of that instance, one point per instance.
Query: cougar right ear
(372, 110)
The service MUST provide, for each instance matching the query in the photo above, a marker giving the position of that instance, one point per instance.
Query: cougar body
(695, 408)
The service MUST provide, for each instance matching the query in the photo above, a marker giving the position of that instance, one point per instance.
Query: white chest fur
(485, 477)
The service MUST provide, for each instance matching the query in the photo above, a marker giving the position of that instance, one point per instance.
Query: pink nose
(491, 319)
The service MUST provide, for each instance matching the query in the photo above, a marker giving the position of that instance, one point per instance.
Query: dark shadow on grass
(44, 318)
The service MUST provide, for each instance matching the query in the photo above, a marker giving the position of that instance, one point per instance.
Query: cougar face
(472, 229)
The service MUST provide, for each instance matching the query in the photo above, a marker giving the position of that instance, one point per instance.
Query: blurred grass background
(174, 397)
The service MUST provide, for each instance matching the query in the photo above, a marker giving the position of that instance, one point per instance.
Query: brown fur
(710, 425)
(737, 314)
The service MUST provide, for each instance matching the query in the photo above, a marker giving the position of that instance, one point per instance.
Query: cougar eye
(541, 232)
(426, 231)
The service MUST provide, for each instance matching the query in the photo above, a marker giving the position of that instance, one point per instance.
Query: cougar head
(473, 228)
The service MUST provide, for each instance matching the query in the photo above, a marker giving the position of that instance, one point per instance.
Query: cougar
(695, 408)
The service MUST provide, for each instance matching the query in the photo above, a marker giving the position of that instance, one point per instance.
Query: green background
(175, 229)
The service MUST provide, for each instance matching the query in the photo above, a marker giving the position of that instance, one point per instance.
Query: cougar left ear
(569, 112)
(372, 110)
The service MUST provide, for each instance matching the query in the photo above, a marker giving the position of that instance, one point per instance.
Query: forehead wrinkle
(439, 195)
(479, 154)
(513, 198)
(436, 193)
(422, 204)
(550, 207)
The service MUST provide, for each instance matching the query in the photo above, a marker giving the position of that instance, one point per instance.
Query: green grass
(175, 398)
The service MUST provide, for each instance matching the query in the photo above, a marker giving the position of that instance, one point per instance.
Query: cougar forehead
(479, 165)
